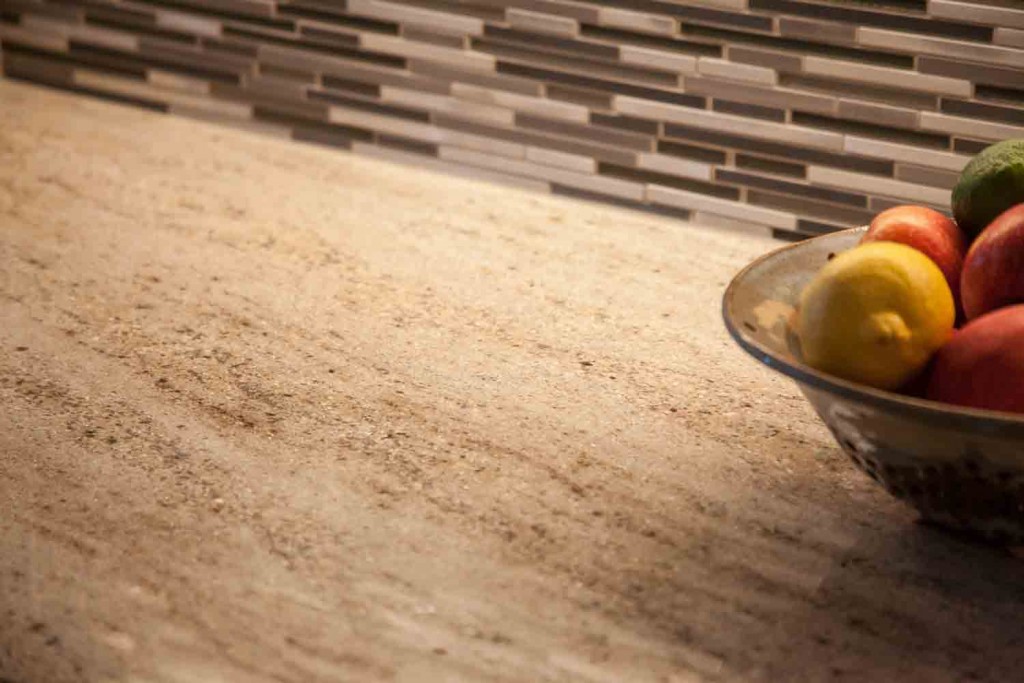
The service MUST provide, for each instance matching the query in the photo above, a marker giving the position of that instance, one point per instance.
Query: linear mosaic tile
(795, 117)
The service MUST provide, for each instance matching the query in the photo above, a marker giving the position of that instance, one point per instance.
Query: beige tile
(695, 201)
(445, 21)
(913, 43)
(570, 162)
(926, 176)
(721, 4)
(565, 111)
(721, 68)
(87, 34)
(819, 31)
(56, 42)
(636, 21)
(187, 23)
(780, 61)
(1009, 37)
(976, 128)
(405, 48)
(658, 59)
(776, 132)
(664, 163)
(779, 98)
(173, 81)
(211, 116)
(473, 111)
(384, 124)
(449, 168)
(539, 22)
(880, 75)
(888, 187)
(881, 114)
(481, 143)
(906, 153)
(977, 14)
(593, 183)
(141, 89)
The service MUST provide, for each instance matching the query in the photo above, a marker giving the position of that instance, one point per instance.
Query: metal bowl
(961, 468)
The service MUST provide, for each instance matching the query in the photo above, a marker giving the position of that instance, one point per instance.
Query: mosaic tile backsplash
(793, 116)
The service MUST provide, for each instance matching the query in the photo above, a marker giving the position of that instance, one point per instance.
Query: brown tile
(999, 95)
(322, 137)
(789, 235)
(604, 136)
(782, 151)
(643, 22)
(273, 86)
(805, 225)
(588, 98)
(874, 185)
(357, 88)
(441, 72)
(978, 73)
(291, 74)
(1010, 15)
(621, 122)
(696, 201)
(601, 152)
(779, 61)
(764, 165)
(751, 110)
(992, 112)
(927, 176)
(408, 49)
(862, 91)
(871, 112)
(777, 98)
(407, 14)
(968, 146)
(406, 145)
(575, 193)
(432, 37)
(663, 44)
(324, 97)
(927, 45)
(226, 65)
(324, 37)
(696, 152)
(575, 10)
(17, 36)
(538, 22)
(863, 17)
(879, 204)
(651, 177)
(315, 111)
(725, 175)
(703, 15)
(830, 32)
(808, 207)
(38, 69)
(536, 41)
(334, 16)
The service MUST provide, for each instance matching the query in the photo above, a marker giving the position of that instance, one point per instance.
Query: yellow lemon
(875, 314)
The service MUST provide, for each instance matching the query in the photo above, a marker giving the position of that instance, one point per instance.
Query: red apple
(982, 366)
(993, 273)
(928, 231)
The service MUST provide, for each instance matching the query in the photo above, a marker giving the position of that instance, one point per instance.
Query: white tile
(695, 201)
(889, 187)
(565, 111)
(432, 53)
(734, 71)
(636, 21)
(447, 22)
(570, 162)
(592, 183)
(977, 14)
(1009, 37)
(658, 59)
(896, 152)
(880, 75)
(450, 105)
(739, 125)
(664, 163)
(957, 125)
(943, 47)
(187, 23)
(449, 168)
(538, 22)
(384, 124)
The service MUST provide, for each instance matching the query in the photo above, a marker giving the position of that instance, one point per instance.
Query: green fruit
(991, 183)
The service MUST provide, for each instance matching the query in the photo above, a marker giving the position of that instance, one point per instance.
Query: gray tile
(630, 123)
(820, 227)
(930, 140)
(968, 146)
(766, 165)
(636, 21)
(406, 145)
(956, 125)
(824, 194)
(703, 15)
(416, 16)
(872, 112)
(1009, 37)
(409, 49)
(906, 153)
(687, 151)
(878, 186)
(535, 41)
(37, 69)
(780, 61)
(579, 11)
(540, 106)
(647, 177)
(604, 136)
(325, 98)
(539, 22)
(927, 176)
(433, 37)
(1014, 115)
(809, 208)
(832, 87)
(977, 73)
(442, 73)
(598, 101)
(976, 13)
(887, 77)
(921, 44)
(695, 201)
(778, 98)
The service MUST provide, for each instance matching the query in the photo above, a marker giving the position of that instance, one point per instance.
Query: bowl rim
(948, 416)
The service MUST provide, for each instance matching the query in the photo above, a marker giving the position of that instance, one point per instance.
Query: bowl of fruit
(907, 338)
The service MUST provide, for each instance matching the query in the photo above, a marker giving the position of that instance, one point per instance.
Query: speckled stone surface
(271, 413)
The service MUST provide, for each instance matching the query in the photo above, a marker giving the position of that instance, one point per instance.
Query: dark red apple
(993, 273)
(928, 231)
(982, 366)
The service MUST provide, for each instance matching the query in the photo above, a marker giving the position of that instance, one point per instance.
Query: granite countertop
(273, 412)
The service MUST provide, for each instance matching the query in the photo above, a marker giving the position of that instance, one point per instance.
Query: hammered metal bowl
(961, 468)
